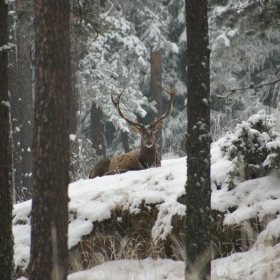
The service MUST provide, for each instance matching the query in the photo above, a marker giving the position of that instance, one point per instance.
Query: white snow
(93, 200)
(7, 47)
(72, 137)
(223, 40)
(134, 269)
(6, 104)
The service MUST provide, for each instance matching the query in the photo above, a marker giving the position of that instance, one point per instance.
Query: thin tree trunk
(97, 131)
(26, 106)
(15, 109)
(6, 186)
(74, 96)
(49, 226)
(156, 91)
(22, 106)
(198, 187)
(74, 112)
(125, 141)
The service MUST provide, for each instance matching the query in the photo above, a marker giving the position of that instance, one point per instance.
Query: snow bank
(94, 200)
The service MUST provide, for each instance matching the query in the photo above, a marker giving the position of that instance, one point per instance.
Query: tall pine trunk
(49, 226)
(75, 162)
(6, 186)
(74, 95)
(20, 87)
(26, 105)
(156, 91)
(198, 187)
(15, 108)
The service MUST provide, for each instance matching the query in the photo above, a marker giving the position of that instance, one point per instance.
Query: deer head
(147, 155)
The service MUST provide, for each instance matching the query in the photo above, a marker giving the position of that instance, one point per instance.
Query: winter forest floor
(242, 202)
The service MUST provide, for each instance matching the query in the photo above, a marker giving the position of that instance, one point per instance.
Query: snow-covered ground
(93, 200)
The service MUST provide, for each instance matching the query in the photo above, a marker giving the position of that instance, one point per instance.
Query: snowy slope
(93, 200)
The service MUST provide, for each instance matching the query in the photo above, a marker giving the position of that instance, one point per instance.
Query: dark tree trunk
(51, 141)
(156, 91)
(198, 187)
(125, 140)
(26, 105)
(74, 96)
(6, 186)
(97, 131)
(20, 88)
(15, 109)
(73, 111)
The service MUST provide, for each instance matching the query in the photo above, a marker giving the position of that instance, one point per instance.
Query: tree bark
(6, 186)
(20, 88)
(74, 96)
(156, 91)
(74, 110)
(51, 141)
(15, 109)
(26, 105)
(198, 187)
(97, 131)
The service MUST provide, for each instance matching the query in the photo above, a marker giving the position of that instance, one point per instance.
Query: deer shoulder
(147, 156)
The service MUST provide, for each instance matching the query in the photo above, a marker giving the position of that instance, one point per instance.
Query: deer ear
(157, 126)
(135, 128)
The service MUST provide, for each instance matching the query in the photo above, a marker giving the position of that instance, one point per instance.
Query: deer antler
(172, 93)
(117, 105)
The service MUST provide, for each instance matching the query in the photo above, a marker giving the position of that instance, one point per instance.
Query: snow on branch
(7, 47)
(6, 104)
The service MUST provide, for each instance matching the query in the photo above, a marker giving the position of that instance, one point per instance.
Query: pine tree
(113, 61)
(245, 51)
(49, 224)
(198, 186)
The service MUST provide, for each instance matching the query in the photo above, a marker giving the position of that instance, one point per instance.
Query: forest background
(113, 44)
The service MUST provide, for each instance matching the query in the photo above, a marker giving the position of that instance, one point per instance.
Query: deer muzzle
(149, 144)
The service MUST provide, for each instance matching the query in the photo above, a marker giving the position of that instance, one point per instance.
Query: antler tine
(172, 93)
(117, 105)
(117, 101)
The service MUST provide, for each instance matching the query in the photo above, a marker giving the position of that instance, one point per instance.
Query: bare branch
(251, 86)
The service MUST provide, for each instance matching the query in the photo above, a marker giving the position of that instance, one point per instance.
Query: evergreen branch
(86, 20)
(251, 86)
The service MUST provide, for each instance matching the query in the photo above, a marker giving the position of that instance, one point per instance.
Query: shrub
(253, 148)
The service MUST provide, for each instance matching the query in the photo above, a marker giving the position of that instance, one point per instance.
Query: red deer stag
(144, 158)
